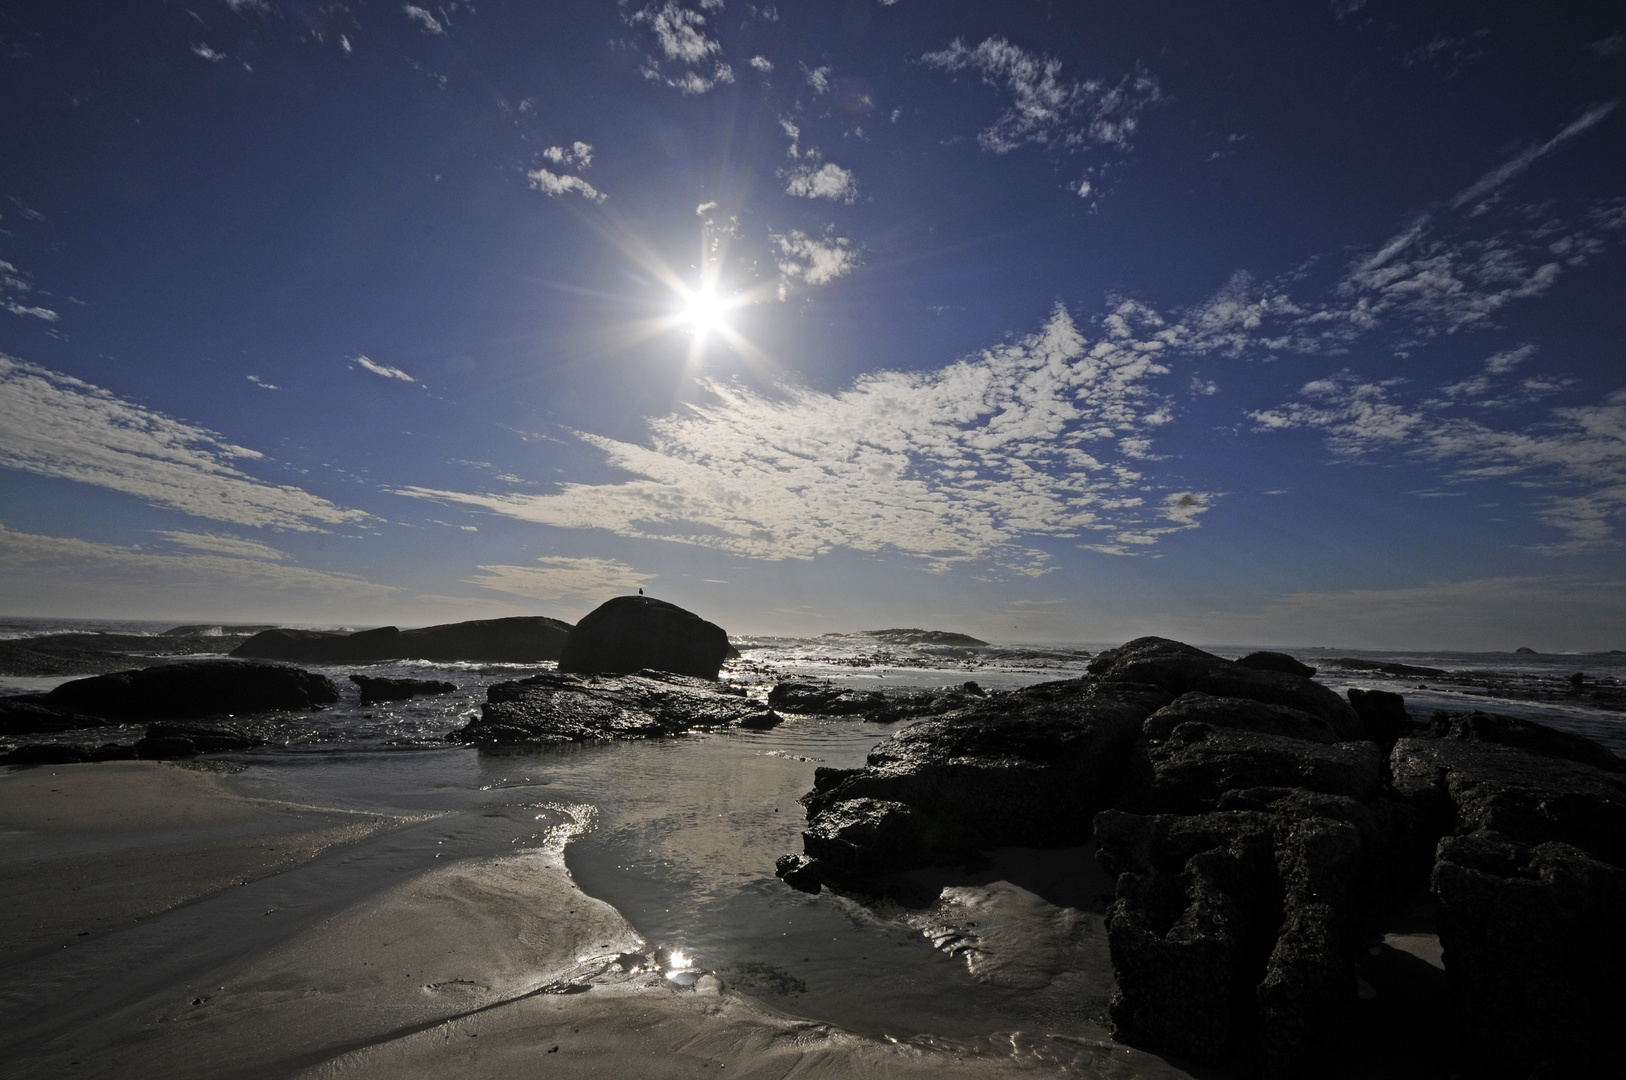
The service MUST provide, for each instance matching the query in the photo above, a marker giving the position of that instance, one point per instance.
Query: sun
(704, 312)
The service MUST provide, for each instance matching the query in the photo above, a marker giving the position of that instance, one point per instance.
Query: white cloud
(381, 369)
(422, 17)
(261, 383)
(554, 186)
(827, 181)
(14, 283)
(220, 544)
(578, 155)
(679, 31)
(811, 261)
(71, 576)
(762, 64)
(1044, 108)
(586, 581)
(1577, 455)
(964, 463)
(1613, 45)
(818, 78)
(200, 49)
(54, 425)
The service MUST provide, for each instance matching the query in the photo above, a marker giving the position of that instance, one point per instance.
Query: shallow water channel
(681, 838)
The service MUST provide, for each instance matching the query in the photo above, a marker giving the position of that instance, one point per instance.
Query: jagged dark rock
(1483, 727)
(1534, 943)
(26, 714)
(1226, 924)
(193, 688)
(800, 872)
(398, 689)
(558, 707)
(1265, 660)
(761, 721)
(1182, 669)
(1383, 715)
(1238, 713)
(524, 639)
(1190, 770)
(635, 633)
(882, 707)
(1029, 767)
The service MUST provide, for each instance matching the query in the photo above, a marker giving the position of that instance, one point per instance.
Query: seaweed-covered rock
(634, 633)
(1190, 770)
(398, 689)
(1534, 943)
(1029, 767)
(555, 707)
(193, 688)
(521, 639)
(1181, 669)
(1229, 931)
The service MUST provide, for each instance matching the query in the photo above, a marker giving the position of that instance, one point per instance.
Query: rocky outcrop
(1190, 770)
(524, 639)
(926, 637)
(634, 633)
(1029, 767)
(1182, 669)
(193, 688)
(373, 690)
(1276, 661)
(556, 707)
(27, 714)
(816, 698)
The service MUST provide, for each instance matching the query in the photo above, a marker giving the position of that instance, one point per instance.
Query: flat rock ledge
(1260, 827)
(560, 707)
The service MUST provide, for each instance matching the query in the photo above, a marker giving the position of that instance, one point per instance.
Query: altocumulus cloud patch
(1044, 437)
(58, 426)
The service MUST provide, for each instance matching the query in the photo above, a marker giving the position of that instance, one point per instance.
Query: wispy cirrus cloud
(586, 582)
(1043, 437)
(1044, 107)
(1575, 456)
(15, 290)
(58, 426)
(381, 370)
(221, 544)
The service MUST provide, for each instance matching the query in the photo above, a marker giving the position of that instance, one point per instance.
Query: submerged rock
(558, 707)
(634, 633)
(398, 689)
(525, 639)
(193, 688)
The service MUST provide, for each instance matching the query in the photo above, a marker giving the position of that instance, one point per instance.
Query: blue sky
(1240, 323)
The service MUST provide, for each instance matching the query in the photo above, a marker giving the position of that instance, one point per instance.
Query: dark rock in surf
(46, 754)
(1181, 669)
(1383, 715)
(635, 633)
(761, 721)
(194, 688)
(557, 707)
(398, 689)
(815, 698)
(1535, 943)
(26, 714)
(800, 872)
(1276, 661)
(1030, 767)
(205, 738)
(526, 639)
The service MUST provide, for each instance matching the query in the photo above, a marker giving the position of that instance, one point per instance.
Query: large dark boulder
(633, 633)
(373, 690)
(525, 639)
(556, 707)
(1230, 932)
(193, 688)
(1383, 715)
(1535, 943)
(1182, 669)
(1029, 767)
